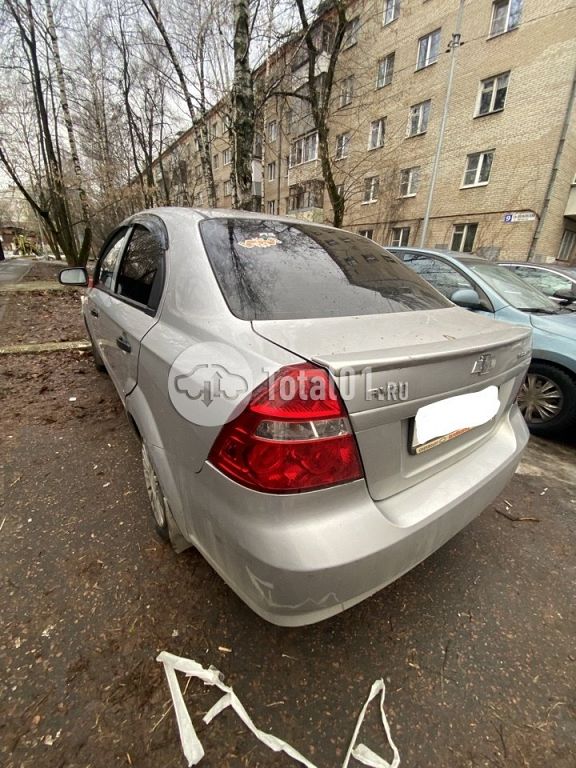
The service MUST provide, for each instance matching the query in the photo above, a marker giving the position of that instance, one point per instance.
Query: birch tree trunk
(242, 110)
(87, 237)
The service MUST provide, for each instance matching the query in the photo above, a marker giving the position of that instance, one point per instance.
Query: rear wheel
(547, 399)
(158, 501)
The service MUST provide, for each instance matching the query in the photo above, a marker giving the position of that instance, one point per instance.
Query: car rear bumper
(296, 560)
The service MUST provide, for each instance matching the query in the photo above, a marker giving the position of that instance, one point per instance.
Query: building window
(304, 149)
(428, 49)
(271, 207)
(227, 156)
(400, 236)
(377, 133)
(215, 160)
(371, 188)
(227, 188)
(214, 129)
(391, 11)
(385, 71)
(351, 33)
(492, 95)
(310, 194)
(346, 91)
(463, 236)
(418, 118)
(506, 15)
(342, 145)
(272, 130)
(478, 167)
(368, 233)
(271, 171)
(409, 181)
(567, 250)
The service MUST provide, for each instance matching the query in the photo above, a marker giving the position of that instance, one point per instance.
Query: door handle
(123, 343)
(94, 312)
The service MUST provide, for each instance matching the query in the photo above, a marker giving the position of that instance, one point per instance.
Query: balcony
(570, 211)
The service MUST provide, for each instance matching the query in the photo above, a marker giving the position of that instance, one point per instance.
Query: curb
(49, 346)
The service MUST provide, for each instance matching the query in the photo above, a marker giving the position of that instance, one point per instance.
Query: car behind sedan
(315, 418)
(556, 281)
(548, 396)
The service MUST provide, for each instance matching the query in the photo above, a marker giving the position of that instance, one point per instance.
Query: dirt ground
(476, 645)
(44, 316)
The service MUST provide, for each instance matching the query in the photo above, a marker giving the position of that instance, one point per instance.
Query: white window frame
(410, 181)
(346, 91)
(567, 246)
(272, 130)
(371, 189)
(228, 188)
(215, 160)
(342, 146)
(400, 236)
(271, 207)
(511, 21)
(271, 171)
(308, 147)
(422, 111)
(377, 133)
(227, 157)
(485, 87)
(430, 45)
(390, 12)
(385, 71)
(479, 168)
(367, 233)
(463, 234)
(350, 37)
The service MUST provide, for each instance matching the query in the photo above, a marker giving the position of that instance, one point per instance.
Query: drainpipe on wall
(453, 47)
(554, 171)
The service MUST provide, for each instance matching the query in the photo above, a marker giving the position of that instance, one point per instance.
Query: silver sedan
(315, 418)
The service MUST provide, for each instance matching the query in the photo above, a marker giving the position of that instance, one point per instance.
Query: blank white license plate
(444, 420)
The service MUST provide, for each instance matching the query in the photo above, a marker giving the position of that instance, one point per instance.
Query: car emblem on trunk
(484, 364)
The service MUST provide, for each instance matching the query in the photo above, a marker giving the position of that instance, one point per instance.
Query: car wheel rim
(154, 491)
(540, 399)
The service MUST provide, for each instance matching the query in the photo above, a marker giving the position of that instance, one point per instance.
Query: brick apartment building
(506, 177)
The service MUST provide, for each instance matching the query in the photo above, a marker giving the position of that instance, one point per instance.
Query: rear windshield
(270, 270)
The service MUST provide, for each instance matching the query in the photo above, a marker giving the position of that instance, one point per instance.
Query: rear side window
(104, 275)
(270, 270)
(444, 277)
(141, 271)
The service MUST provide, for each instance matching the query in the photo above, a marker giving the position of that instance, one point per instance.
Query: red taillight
(293, 436)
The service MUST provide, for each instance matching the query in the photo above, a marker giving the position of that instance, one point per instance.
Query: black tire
(547, 399)
(158, 503)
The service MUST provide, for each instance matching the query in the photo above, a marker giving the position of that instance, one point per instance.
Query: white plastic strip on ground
(193, 750)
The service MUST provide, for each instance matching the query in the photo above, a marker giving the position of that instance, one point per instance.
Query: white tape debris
(193, 750)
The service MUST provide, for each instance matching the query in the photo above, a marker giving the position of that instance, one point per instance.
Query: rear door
(128, 305)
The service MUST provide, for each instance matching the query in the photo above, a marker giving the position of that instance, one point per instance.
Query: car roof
(551, 266)
(467, 258)
(181, 213)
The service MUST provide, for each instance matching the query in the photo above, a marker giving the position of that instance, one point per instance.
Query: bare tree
(199, 122)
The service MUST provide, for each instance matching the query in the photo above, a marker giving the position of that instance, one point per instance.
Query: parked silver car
(555, 280)
(315, 418)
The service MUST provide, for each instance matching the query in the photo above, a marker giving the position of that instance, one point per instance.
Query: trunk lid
(387, 367)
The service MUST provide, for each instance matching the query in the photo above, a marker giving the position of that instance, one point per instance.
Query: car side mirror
(565, 295)
(73, 276)
(467, 298)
